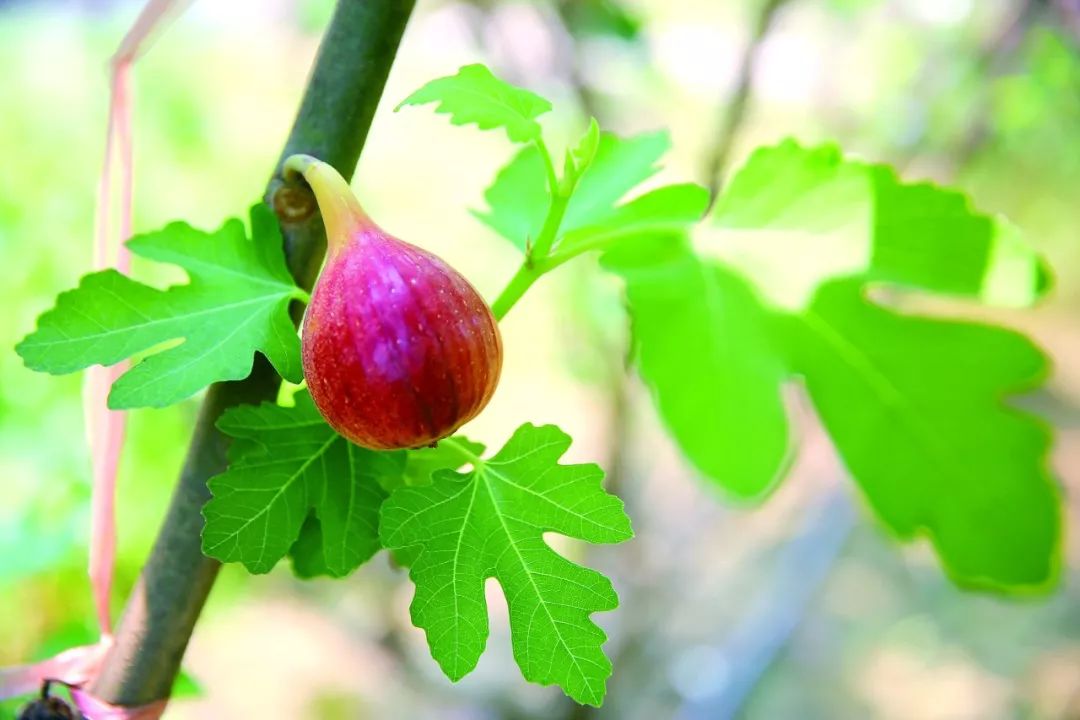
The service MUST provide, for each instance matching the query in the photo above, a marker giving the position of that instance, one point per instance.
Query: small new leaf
(235, 305)
(618, 166)
(518, 200)
(475, 95)
(490, 522)
(288, 467)
(579, 158)
(582, 155)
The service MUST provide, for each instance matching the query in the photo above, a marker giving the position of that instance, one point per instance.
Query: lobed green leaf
(236, 304)
(489, 522)
(777, 289)
(840, 217)
(915, 408)
(702, 344)
(287, 469)
(474, 95)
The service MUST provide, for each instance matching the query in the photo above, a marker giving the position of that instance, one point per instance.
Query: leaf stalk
(538, 253)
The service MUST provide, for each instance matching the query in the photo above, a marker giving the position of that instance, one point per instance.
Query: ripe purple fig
(399, 350)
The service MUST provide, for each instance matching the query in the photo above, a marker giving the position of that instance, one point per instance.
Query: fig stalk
(340, 210)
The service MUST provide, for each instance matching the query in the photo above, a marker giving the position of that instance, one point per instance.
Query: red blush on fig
(399, 350)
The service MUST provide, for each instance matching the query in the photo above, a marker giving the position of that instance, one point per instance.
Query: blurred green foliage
(1036, 107)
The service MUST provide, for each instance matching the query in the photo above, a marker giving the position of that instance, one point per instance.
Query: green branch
(332, 123)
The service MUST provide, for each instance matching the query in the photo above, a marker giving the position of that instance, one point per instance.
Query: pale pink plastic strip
(77, 666)
(105, 427)
(95, 709)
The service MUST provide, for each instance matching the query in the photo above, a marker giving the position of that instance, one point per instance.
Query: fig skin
(399, 350)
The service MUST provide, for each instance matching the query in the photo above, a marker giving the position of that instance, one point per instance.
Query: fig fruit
(47, 707)
(399, 350)
(50, 708)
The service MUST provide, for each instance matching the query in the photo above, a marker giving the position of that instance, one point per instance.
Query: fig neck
(342, 214)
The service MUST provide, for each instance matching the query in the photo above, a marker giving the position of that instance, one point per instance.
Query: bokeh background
(799, 608)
